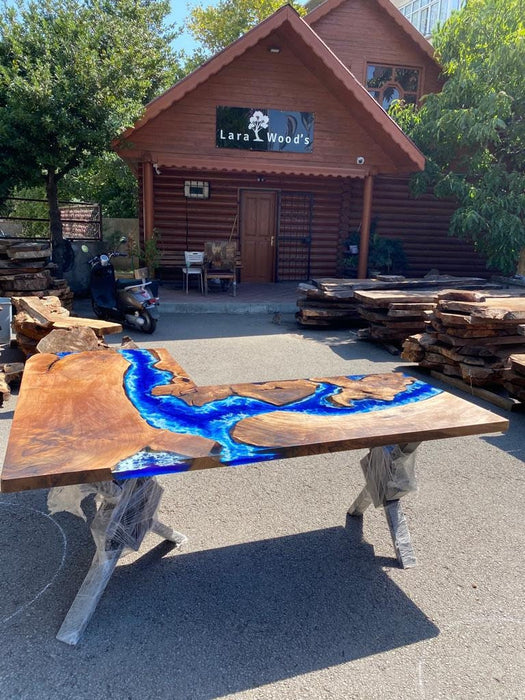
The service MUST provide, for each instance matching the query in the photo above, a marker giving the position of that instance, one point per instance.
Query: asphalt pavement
(275, 595)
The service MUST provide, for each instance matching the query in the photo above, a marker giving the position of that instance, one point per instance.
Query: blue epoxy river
(216, 420)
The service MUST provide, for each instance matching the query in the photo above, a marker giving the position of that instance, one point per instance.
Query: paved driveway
(273, 597)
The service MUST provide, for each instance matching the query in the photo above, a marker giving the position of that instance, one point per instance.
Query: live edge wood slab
(95, 416)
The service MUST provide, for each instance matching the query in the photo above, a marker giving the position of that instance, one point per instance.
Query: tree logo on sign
(258, 121)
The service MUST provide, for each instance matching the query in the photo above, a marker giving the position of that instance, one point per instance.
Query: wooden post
(147, 199)
(365, 226)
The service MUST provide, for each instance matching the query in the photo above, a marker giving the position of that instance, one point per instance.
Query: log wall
(421, 224)
(185, 224)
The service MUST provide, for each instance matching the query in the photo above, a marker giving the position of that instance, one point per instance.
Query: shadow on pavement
(201, 624)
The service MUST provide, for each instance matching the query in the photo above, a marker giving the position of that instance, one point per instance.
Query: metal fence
(29, 218)
(295, 236)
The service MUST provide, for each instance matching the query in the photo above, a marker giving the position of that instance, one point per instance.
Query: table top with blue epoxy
(94, 416)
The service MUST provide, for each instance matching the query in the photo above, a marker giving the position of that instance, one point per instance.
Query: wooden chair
(194, 265)
(220, 263)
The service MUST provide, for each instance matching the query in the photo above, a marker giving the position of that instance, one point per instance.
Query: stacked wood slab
(514, 381)
(472, 335)
(10, 373)
(36, 318)
(393, 315)
(329, 302)
(26, 270)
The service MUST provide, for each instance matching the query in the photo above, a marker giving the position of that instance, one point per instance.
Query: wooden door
(258, 232)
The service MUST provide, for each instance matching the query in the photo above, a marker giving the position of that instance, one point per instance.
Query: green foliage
(132, 250)
(107, 180)
(27, 209)
(151, 254)
(473, 132)
(385, 255)
(215, 27)
(73, 74)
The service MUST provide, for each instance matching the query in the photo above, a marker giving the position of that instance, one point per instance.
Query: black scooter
(127, 301)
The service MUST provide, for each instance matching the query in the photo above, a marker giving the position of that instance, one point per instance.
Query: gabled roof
(303, 40)
(386, 6)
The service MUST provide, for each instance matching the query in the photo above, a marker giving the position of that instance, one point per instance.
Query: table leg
(400, 535)
(390, 475)
(125, 514)
(88, 596)
(167, 533)
(361, 503)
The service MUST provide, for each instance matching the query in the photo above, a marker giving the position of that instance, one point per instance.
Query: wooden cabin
(280, 144)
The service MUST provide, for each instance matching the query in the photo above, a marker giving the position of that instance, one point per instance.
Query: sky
(179, 10)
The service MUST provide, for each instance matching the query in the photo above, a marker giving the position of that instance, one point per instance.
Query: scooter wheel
(149, 324)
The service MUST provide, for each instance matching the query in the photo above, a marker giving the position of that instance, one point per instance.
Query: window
(425, 14)
(389, 83)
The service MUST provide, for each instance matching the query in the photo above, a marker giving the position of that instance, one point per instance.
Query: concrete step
(230, 306)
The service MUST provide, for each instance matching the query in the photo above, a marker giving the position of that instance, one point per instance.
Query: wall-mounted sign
(255, 129)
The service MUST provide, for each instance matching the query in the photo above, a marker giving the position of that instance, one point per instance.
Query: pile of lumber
(327, 302)
(45, 325)
(471, 336)
(26, 270)
(393, 315)
(514, 381)
(10, 373)
(36, 318)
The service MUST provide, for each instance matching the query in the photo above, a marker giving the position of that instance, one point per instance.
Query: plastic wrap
(69, 499)
(125, 513)
(400, 534)
(390, 472)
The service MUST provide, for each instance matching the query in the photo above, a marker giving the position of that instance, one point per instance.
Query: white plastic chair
(194, 261)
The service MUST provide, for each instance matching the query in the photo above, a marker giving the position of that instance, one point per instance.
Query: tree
(107, 180)
(473, 132)
(216, 27)
(73, 73)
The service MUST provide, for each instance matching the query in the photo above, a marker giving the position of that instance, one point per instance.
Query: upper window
(389, 83)
(425, 14)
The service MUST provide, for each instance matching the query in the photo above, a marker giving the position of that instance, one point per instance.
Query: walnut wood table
(111, 421)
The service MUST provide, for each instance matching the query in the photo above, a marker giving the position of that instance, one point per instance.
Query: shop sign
(257, 129)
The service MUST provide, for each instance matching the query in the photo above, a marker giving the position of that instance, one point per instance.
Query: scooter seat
(123, 283)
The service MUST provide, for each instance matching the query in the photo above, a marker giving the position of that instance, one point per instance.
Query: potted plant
(350, 261)
(132, 251)
(385, 256)
(151, 255)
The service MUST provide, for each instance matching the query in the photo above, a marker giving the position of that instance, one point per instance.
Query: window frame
(413, 11)
(392, 83)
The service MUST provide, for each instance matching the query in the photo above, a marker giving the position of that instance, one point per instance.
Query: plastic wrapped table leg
(400, 535)
(361, 503)
(167, 533)
(126, 511)
(390, 472)
(390, 475)
(88, 596)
